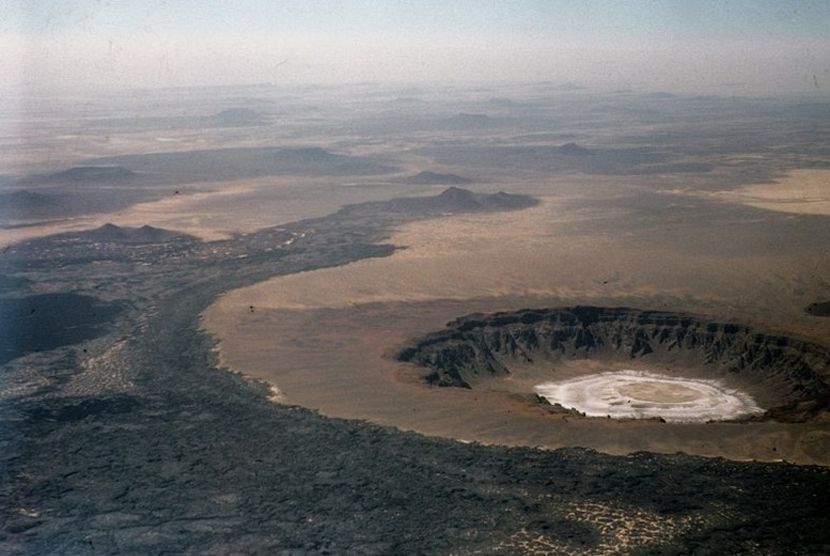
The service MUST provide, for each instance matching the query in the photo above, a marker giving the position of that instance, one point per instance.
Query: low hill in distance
(104, 174)
(452, 200)
(230, 117)
(248, 162)
(237, 117)
(567, 157)
(433, 178)
(456, 199)
(503, 102)
(110, 233)
(468, 119)
(471, 121)
(572, 149)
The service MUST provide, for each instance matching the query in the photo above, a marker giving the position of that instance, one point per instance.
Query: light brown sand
(175, 212)
(216, 210)
(509, 254)
(801, 192)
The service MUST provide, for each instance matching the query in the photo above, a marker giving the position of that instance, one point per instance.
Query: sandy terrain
(217, 210)
(528, 253)
(801, 192)
(177, 212)
(323, 338)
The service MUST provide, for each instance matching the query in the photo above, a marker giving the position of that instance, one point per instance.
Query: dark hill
(452, 200)
(90, 174)
(456, 199)
(572, 149)
(465, 120)
(111, 233)
(233, 117)
(432, 178)
(244, 162)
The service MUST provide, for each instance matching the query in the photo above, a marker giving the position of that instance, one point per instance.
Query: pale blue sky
(644, 18)
(673, 43)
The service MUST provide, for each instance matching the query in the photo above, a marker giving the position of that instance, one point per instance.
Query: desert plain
(544, 256)
(218, 313)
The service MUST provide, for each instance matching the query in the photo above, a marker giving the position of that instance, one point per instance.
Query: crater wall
(788, 376)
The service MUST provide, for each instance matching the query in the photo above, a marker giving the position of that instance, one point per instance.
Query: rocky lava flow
(787, 376)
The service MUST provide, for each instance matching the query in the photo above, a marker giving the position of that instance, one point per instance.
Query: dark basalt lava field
(819, 309)
(786, 375)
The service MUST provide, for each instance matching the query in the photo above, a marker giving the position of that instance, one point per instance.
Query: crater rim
(517, 350)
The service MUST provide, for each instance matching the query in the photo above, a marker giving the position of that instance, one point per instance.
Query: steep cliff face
(793, 375)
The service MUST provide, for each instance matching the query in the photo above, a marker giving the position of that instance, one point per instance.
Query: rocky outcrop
(790, 374)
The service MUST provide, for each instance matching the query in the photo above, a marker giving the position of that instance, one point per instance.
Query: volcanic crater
(670, 361)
